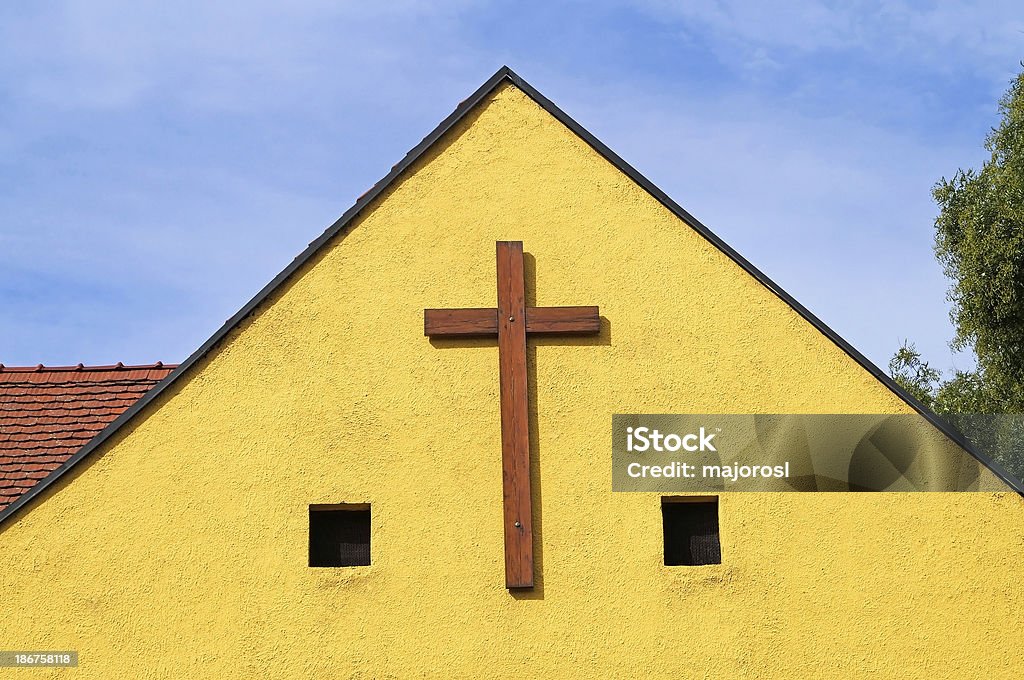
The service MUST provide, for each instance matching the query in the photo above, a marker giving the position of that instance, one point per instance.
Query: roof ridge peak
(39, 368)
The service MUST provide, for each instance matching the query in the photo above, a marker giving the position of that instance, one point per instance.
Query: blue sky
(160, 162)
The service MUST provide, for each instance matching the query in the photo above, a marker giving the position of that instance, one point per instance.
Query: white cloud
(942, 35)
(107, 54)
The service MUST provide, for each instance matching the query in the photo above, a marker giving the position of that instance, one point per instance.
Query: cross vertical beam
(511, 322)
(515, 424)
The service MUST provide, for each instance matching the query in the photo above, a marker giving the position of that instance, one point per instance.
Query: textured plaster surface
(180, 548)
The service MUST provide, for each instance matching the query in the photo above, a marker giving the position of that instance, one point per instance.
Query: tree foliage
(914, 374)
(979, 239)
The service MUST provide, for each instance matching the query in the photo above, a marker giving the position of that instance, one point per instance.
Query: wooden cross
(511, 321)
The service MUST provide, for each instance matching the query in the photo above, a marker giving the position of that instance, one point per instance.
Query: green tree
(979, 239)
(914, 374)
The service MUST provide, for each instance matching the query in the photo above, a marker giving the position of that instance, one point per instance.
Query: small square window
(691, 530)
(339, 535)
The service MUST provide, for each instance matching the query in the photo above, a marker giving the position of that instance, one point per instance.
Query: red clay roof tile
(49, 413)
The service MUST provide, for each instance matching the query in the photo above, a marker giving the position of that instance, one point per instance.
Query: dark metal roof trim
(503, 74)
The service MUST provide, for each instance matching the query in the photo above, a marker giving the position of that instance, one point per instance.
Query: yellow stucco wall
(180, 550)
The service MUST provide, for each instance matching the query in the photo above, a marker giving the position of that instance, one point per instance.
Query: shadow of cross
(511, 322)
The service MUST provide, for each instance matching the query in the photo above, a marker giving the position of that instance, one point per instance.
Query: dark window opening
(339, 535)
(691, 530)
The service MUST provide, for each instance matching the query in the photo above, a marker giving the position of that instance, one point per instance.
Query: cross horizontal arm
(483, 322)
(452, 323)
(563, 320)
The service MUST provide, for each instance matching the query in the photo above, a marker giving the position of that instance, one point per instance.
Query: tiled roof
(47, 413)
